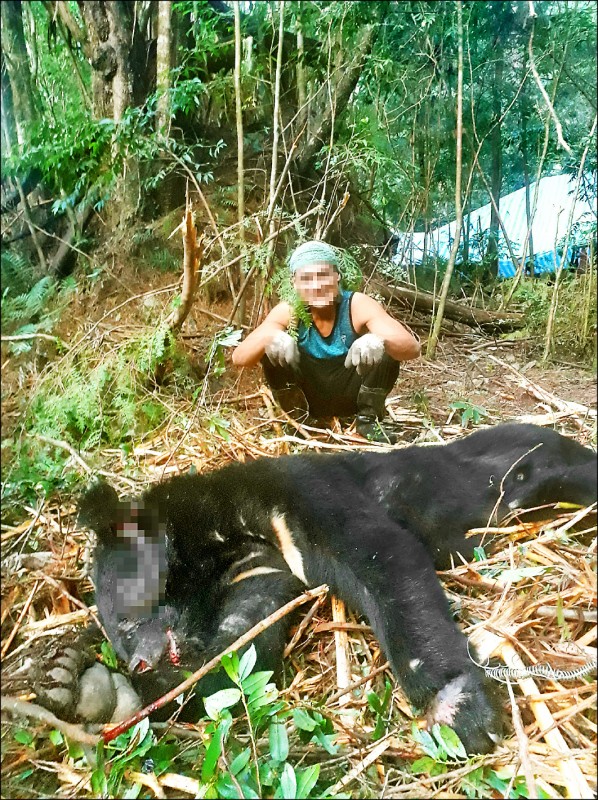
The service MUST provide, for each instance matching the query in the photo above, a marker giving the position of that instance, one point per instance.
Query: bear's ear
(99, 510)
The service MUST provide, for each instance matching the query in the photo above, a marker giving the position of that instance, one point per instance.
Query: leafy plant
(469, 412)
(228, 337)
(382, 709)
(421, 400)
(18, 272)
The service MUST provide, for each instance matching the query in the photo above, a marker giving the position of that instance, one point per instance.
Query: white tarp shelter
(556, 195)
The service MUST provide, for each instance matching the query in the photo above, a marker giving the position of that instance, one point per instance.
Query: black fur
(372, 526)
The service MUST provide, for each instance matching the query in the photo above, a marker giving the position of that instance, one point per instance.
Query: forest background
(161, 160)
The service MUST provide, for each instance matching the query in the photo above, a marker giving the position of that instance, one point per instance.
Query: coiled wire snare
(503, 674)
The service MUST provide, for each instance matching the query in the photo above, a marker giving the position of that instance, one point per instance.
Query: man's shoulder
(281, 313)
(363, 309)
(361, 300)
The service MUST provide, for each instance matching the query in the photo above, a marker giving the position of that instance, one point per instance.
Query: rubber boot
(370, 412)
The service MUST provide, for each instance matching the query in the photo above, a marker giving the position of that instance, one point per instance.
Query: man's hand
(283, 350)
(365, 353)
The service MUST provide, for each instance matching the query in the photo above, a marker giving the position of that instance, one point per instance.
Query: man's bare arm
(369, 316)
(251, 350)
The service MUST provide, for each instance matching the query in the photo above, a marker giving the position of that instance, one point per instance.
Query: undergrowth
(88, 398)
(574, 333)
(252, 742)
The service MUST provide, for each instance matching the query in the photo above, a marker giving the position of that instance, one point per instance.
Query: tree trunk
(17, 65)
(240, 160)
(496, 145)
(524, 147)
(102, 57)
(321, 127)
(9, 128)
(548, 343)
(301, 82)
(120, 20)
(163, 66)
(118, 43)
(433, 340)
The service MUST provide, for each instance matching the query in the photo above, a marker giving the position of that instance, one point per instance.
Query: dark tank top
(341, 337)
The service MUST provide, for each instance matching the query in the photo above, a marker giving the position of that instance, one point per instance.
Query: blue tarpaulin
(556, 196)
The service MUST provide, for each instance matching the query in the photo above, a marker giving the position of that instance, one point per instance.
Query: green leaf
(269, 694)
(303, 720)
(279, 741)
(240, 762)
(55, 737)
(427, 743)
(225, 788)
(253, 685)
(268, 773)
(217, 702)
(423, 765)
(99, 785)
(374, 703)
(325, 739)
(213, 753)
(23, 737)
(518, 574)
(288, 782)
(307, 779)
(230, 662)
(448, 739)
(497, 783)
(247, 662)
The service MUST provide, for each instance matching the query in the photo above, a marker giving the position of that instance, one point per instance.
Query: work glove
(283, 351)
(365, 353)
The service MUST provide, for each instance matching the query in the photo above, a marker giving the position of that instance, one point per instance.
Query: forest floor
(488, 380)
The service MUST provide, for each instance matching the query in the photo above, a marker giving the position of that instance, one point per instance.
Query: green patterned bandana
(313, 252)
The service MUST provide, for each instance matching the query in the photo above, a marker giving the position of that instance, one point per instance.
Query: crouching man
(345, 362)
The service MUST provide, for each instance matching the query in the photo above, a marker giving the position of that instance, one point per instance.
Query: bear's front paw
(471, 710)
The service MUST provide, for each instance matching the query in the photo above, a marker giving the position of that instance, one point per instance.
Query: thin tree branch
(557, 124)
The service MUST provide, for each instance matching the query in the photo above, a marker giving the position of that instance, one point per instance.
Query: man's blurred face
(317, 284)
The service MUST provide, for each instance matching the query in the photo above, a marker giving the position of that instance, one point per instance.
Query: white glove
(283, 350)
(365, 353)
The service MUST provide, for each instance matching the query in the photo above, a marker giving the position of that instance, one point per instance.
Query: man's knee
(384, 375)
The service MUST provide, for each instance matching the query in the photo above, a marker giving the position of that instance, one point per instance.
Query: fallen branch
(83, 464)
(356, 684)
(25, 709)
(372, 756)
(22, 337)
(576, 410)
(17, 624)
(488, 321)
(341, 646)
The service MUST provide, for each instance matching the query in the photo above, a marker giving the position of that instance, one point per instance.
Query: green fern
(17, 271)
(163, 261)
(31, 303)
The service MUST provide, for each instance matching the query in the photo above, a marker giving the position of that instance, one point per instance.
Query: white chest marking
(289, 551)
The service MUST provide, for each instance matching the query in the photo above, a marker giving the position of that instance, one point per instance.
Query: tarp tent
(555, 198)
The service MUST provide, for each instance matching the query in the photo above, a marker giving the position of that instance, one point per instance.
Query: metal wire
(503, 674)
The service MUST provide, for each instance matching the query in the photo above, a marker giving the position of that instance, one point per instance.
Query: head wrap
(313, 252)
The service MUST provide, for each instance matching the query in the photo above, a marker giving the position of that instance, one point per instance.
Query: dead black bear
(196, 561)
